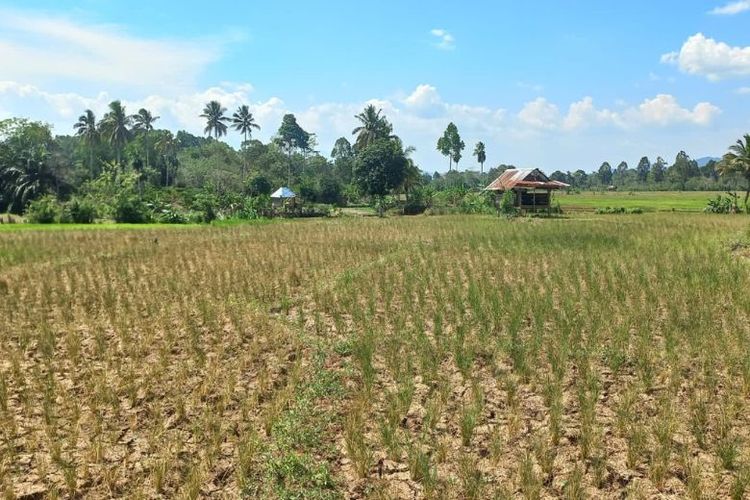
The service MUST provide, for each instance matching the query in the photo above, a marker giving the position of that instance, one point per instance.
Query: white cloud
(731, 8)
(446, 41)
(425, 101)
(662, 110)
(743, 91)
(665, 110)
(583, 114)
(540, 113)
(176, 111)
(705, 56)
(419, 118)
(40, 48)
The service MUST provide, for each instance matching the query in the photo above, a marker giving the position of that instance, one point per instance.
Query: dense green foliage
(122, 164)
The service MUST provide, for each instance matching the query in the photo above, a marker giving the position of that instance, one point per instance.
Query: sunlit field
(648, 201)
(455, 357)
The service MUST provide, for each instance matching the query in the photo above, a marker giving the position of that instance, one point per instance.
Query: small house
(532, 189)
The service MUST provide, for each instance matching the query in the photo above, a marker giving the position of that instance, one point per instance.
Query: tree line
(122, 163)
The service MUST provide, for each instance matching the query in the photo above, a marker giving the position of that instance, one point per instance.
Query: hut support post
(549, 202)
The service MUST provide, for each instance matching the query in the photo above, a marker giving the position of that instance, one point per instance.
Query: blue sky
(558, 85)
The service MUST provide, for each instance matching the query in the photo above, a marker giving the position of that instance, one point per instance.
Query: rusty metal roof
(530, 178)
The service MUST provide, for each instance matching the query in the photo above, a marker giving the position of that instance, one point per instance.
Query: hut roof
(529, 178)
(283, 192)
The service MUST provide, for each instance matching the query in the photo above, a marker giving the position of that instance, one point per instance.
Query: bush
(330, 191)
(44, 210)
(208, 206)
(130, 209)
(254, 208)
(78, 211)
(259, 185)
(475, 203)
(508, 204)
(420, 199)
(171, 216)
(722, 205)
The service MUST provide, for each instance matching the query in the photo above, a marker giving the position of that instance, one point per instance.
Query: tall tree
(143, 121)
(343, 159)
(26, 167)
(605, 173)
(115, 128)
(373, 126)
(87, 130)
(167, 146)
(481, 155)
(451, 145)
(216, 122)
(683, 168)
(291, 137)
(342, 149)
(243, 121)
(380, 168)
(737, 160)
(658, 169)
(643, 168)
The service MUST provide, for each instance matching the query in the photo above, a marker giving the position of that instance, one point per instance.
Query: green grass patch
(650, 201)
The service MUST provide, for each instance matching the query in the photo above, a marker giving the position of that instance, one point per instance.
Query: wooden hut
(532, 189)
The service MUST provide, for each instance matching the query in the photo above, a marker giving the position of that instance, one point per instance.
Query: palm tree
(144, 121)
(86, 129)
(412, 175)
(215, 119)
(373, 127)
(167, 147)
(115, 129)
(244, 122)
(737, 160)
(31, 177)
(481, 155)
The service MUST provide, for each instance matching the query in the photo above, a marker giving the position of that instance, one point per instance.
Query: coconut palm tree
(373, 127)
(215, 119)
(30, 177)
(481, 155)
(244, 122)
(144, 121)
(87, 130)
(167, 147)
(115, 128)
(737, 160)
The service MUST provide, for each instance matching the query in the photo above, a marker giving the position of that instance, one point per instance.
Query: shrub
(308, 191)
(420, 199)
(131, 209)
(475, 203)
(78, 211)
(208, 206)
(171, 216)
(330, 191)
(259, 185)
(722, 205)
(508, 205)
(254, 208)
(44, 210)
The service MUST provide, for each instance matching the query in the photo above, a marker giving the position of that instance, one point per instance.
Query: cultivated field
(650, 201)
(456, 357)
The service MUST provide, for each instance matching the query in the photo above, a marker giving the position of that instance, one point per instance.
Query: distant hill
(702, 161)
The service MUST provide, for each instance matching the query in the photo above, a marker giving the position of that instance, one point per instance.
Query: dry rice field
(425, 357)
